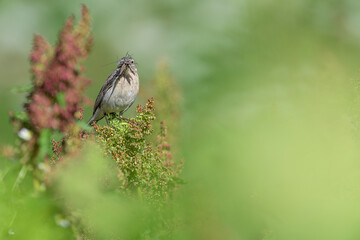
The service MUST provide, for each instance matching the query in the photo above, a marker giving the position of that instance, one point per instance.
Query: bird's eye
(132, 61)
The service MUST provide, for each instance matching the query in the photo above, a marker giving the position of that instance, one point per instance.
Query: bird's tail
(98, 115)
(92, 119)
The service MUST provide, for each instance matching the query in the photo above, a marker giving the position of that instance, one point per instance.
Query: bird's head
(127, 63)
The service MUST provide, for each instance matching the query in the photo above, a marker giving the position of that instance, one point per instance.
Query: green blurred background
(269, 130)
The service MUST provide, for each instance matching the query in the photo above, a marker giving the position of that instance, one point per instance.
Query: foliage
(53, 103)
(52, 109)
(58, 87)
(147, 169)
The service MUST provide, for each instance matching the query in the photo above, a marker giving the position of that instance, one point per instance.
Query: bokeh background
(270, 113)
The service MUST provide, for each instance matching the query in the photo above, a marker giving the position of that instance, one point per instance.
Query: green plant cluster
(144, 168)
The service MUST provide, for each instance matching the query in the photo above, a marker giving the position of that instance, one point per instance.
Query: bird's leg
(106, 119)
(107, 122)
(105, 115)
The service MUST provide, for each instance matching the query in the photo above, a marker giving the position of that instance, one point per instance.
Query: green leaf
(23, 89)
(44, 143)
(21, 116)
(60, 98)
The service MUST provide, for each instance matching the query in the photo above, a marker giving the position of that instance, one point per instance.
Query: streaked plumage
(118, 92)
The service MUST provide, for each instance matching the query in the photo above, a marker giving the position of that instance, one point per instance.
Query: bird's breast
(122, 93)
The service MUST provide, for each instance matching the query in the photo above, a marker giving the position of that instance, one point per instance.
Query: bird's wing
(107, 85)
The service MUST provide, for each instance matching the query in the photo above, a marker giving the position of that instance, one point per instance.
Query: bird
(118, 92)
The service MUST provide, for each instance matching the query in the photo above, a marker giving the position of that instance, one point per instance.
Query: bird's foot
(122, 118)
(107, 122)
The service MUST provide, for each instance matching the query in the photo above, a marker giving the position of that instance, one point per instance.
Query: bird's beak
(122, 69)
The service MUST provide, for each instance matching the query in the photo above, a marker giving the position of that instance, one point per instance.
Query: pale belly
(121, 97)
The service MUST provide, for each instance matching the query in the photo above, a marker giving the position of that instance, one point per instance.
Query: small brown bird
(118, 92)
